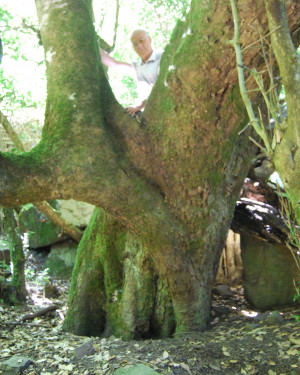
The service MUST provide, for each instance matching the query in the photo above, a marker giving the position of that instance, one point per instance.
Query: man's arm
(113, 63)
(133, 110)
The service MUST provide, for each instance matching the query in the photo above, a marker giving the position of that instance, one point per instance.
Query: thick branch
(44, 207)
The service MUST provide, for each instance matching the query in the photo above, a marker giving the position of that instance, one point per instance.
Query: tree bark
(44, 207)
(168, 185)
(134, 302)
(17, 289)
(287, 153)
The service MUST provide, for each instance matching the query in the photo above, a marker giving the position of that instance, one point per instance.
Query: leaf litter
(233, 344)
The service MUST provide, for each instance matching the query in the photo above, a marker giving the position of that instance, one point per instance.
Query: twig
(260, 130)
(116, 23)
(259, 40)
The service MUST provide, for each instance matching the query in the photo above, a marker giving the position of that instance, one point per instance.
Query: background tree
(15, 291)
(168, 185)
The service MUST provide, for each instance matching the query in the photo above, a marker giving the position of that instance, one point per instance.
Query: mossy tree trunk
(16, 290)
(168, 185)
(115, 287)
(287, 152)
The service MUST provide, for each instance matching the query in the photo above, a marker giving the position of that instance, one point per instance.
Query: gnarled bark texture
(168, 185)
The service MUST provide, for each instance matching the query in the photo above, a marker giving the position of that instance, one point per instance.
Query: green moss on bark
(115, 288)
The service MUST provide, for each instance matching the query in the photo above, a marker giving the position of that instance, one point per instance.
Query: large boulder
(269, 266)
(41, 231)
(61, 259)
(75, 212)
(269, 273)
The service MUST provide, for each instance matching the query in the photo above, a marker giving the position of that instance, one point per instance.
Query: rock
(223, 290)
(61, 259)
(85, 349)
(269, 273)
(248, 327)
(220, 310)
(41, 231)
(75, 212)
(51, 291)
(15, 365)
(270, 319)
(136, 370)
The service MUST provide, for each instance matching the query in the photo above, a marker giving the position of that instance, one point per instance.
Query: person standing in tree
(146, 69)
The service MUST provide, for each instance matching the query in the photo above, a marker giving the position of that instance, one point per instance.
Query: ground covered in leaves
(239, 341)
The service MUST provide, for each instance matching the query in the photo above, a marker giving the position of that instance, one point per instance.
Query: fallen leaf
(292, 352)
(217, 368)
(66, 367)
(98, 358)
(186, 368)
(225, 352)
(294, 340)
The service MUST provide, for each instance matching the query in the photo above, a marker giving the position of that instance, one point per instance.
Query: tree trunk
(134, 302)
(287, 152)
(16, 290)
(168, 185)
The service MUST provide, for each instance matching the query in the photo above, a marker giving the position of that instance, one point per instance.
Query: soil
(238, 341)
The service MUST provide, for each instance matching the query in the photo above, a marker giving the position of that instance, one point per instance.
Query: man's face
(142, 44)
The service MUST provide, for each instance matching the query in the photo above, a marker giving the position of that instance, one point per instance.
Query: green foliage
(16, 36)
(297, 298)
(157, 17)
(38, 278)
(294, 236)
(4, 268)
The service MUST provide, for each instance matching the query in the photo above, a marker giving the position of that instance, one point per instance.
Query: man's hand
(133, 110)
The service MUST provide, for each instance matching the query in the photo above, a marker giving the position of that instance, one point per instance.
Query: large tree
(167, 185)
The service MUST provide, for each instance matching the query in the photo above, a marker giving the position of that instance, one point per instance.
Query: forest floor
(238, 341)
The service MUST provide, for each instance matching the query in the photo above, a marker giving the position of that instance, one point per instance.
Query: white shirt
(147, 73)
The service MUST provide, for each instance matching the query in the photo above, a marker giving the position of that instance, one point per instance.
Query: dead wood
(260, 220)
(39, 313)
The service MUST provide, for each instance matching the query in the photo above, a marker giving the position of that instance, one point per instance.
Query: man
(146, 70)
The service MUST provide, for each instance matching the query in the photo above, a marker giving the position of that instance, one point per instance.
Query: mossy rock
(61, 259)
(269, 273)
(41, 231)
